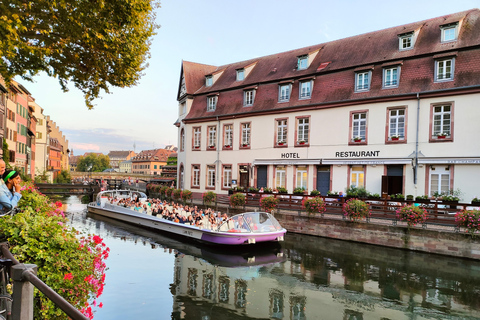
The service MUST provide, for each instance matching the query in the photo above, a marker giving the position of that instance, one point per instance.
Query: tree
(64, 177)
(93, 163)
(93, 44)
(6, 154)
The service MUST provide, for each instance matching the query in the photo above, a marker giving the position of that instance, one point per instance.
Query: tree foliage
(93, 163)
(94, 44)
(63, 177)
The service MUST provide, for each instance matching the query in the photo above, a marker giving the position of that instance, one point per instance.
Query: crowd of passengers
(172, 211)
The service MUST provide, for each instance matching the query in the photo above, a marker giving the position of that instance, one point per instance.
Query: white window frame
(196, 176)
(282, 130)
(390, 73)
(197, 137)
(357, 177)
(303, 129)
(211, 103)
(396, 125)
(359, 125)
(240, 74)
(246, 134)
(208, 81)
(403, 41)
(449, 32)
(280, 176)
(439, 179)
(284, 92)
(441, 67)
(227, 176)
(362, 81)
(182, 139)
(212, 136)
(248, 98)
(442, 119)
(211, 176)
(228, 135)
(302, 62)
(302, 177)
(305, 89)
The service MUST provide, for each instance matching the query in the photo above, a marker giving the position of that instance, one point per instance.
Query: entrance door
(323, 179)
(244, 177)
(392, 183)
(261, 177)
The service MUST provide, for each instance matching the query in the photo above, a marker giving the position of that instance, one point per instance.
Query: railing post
(22, 292)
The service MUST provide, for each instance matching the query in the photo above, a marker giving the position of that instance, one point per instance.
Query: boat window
(256, 222)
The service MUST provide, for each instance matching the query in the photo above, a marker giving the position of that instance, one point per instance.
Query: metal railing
(25, 278)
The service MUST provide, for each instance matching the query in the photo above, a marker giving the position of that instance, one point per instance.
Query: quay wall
(415, 239)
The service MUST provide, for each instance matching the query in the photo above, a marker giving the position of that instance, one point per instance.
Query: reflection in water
(309, 278)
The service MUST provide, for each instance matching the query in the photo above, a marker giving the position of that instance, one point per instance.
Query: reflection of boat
(241, 229)
(255, 256)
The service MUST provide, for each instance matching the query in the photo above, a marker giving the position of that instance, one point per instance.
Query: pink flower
(68, 276)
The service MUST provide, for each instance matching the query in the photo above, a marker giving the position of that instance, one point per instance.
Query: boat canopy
(256, 222)
(122, 194)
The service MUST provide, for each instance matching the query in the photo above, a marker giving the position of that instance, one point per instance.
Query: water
(151, 276)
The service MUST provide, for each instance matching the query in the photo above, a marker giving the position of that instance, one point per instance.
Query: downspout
(415, 160)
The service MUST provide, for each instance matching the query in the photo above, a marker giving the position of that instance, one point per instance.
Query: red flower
(68, 276)
(100, 305)
(97, 239)
(58, 204)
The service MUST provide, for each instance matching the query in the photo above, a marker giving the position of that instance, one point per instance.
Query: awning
(284, 162)
(363, 161)
(449, 160)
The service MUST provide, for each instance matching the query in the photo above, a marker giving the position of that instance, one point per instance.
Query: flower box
(281, 143)
(211, 147)
(441, 137)
(227, 146)
(395, 138)
(245, 145)
(301, 142)
(357, 139)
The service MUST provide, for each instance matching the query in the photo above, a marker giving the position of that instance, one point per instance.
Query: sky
(213, 32)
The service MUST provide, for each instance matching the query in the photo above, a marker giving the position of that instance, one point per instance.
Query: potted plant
(355, 209)
(395, 138)
(314, 193)
(442, 135)
(197, 146)
(186, 195)
(268, 204)
(177, 194)
(410, 197)
(212, 146)
(267, 190)
(422, 199)
(314, 205)
(476, 201)
(332, 193)
(469, 219)
(301, 142)
(375, 196)
(281, 143)
(412, 215)
(357, 139)
(252, 189)
(282, 190)
(237, 200)
(227, 146)
(209, 197)
(299, 190)
(245, 145)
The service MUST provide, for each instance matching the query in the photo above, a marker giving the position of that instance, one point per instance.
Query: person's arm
(9, 200)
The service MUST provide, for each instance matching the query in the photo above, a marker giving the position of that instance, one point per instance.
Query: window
(212, 137)
(444, 69)
(211, 103)
(362, 81)
(248, 98)
(155, 166)
(442, 116)
(211, 176)
(305, 89)
(40, 122)
(182, 140)
(246, 134)
(282, 132)
(439, 179)
(302, 62)
(357, 178)
(197, 135)
(390, 77)
(240, 74)
(359, 126)
(228, 135)
(303, 128)
(227, 176)
(396, 129)
(449, 32)
(280, 177)
(39, 135)
(284, 93)
(406, 41)
(302, 177)
(208, 81)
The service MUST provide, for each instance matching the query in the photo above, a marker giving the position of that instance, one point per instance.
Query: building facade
(55, 132)
(41, 138)
(118, 156)
(391, 111)
(150, 161)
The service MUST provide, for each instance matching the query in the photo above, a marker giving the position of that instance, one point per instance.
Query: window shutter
(15, 136)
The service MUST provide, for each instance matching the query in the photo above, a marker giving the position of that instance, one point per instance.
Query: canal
(151, 276)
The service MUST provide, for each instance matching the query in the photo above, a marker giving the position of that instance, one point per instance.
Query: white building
(410, 94)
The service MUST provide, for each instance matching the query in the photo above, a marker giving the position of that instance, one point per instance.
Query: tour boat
(241, 229)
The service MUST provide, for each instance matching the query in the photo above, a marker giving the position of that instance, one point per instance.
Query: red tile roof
(334, 65)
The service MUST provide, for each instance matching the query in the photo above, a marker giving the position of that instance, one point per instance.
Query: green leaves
(77, 41)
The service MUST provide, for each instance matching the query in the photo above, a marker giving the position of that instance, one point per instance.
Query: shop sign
(356, 154)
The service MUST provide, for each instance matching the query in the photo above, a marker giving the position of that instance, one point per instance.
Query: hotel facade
(394, 111)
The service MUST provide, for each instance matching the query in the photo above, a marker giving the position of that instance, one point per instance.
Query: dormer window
(406, 41)
(240, 74)
(208, 81)
(449, 32)
(302, 62)
(211, 103)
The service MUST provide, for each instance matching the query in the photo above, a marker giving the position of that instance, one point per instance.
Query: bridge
(68, 189)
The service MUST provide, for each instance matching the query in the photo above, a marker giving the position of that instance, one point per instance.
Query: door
(244, 177)
(261, 177)
(323, 179)
(392, 183)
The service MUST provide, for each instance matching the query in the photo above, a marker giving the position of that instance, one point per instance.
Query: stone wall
(415, 239)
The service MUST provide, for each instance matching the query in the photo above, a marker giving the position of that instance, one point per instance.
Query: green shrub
(412, 215)
(282, 190)
(186, 195)
(469, 219)
(314, 192)
(356, 209)
(237, 200)
(268, 204)
(209, 197)
(313, 205)
(177, 194)
(298, 190)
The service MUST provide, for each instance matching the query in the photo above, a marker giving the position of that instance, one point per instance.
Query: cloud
(85, 146)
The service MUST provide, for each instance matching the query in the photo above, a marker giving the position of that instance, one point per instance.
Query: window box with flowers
(412, 215)
(442, 135)
(356, 209)
(211, 147)
(357, 139)
(395, 138)
(245, 145)
(302, 142)
(196, 147)
(227, 146)
(281, 143)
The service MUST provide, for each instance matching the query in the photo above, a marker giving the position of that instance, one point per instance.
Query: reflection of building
(375, 110)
